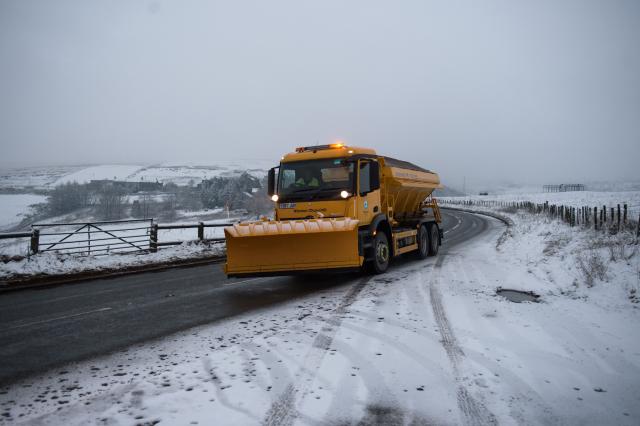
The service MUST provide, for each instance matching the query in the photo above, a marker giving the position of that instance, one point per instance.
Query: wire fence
(601, 218)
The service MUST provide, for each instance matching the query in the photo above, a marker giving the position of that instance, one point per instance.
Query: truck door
(368, 197)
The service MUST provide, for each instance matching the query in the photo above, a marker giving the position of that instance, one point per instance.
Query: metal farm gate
(92, 238)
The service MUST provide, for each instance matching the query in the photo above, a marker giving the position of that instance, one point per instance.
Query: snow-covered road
(427, 343)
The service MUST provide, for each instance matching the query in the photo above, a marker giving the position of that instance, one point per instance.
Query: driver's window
(365, 182)
(288, 178)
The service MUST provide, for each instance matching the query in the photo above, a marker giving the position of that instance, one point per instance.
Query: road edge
(24, 283)
(507, 221)
(504, 219)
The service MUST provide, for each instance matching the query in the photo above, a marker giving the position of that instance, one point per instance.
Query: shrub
(592, 267)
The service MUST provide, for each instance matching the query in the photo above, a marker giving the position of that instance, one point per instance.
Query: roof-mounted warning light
(320, 147)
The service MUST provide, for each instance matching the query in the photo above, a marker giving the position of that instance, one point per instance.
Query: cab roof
(317, 152)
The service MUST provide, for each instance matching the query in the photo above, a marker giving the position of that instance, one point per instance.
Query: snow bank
(573, 261)
(59, 264)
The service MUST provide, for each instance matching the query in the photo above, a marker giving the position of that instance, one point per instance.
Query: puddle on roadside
(518, 296)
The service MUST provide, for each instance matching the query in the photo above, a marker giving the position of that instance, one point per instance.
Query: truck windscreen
(315, 179)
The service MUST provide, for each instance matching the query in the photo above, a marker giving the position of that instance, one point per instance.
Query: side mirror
(374, 175)
(271, 182)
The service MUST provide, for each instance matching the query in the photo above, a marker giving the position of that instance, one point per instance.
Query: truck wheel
(434, 239)
(423, 242)
(381, 257)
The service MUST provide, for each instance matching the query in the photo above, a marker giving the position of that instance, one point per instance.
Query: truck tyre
(423, 242)
(381, 257)
(434, 238)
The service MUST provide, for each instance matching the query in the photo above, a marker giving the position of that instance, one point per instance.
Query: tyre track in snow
(283, 409)
(473, 411)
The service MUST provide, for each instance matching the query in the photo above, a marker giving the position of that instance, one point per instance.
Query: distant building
(483, 193)
(127, 186)
(564, 187)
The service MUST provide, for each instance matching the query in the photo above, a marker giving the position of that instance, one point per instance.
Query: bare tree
(111, 202)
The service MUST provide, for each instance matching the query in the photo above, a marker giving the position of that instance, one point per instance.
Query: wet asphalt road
(48, 327)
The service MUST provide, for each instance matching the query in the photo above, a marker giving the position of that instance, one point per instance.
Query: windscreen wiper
(302, 190)
(320, 190)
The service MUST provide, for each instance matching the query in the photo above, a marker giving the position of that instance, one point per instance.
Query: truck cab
(326, 181)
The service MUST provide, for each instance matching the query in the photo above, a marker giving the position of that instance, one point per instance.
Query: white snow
(191, 234)
(56, 263)
(196, 213)
(428, 342)
(13, 208)
(105, 171)
(180, 174)
(186, 174)
(60, 264)
(38, 177)
(574, 199)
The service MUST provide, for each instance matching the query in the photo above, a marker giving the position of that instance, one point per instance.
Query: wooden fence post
(35, 241)
(625, 214)
(595, 218)
(612, 218)
(618, 216)
(601, 213)
(201, 231)
(153, 238)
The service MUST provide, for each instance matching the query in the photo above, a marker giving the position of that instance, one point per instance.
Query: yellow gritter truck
(338, 208)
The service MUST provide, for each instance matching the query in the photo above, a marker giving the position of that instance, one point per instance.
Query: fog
(531, 91)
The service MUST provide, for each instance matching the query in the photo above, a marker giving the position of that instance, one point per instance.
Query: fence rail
(105, 237)
(15, 235)
(200, 226)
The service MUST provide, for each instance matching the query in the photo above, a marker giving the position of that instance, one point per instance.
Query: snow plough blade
(291, 246)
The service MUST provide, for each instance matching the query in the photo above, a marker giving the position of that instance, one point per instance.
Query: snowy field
(180, 174)
(37, 177)
(13, 208)
(427, 343)
(106, 171)
(574, 199)
(519, 188)
(184, 175)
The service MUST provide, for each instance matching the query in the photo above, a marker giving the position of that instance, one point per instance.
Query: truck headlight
(344, 194)
(274, 197)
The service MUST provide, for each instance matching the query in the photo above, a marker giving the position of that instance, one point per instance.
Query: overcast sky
(528, 91)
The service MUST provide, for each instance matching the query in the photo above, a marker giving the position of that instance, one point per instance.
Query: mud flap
(273, 247)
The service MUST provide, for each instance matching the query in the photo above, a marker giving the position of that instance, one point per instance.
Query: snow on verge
(56, 264)
(572, 261)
